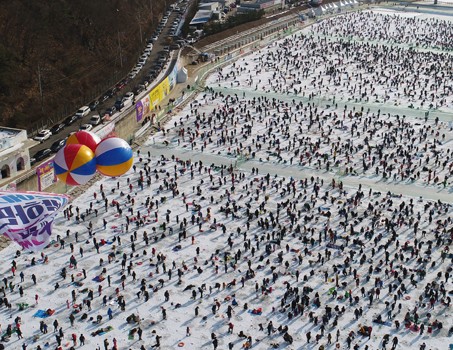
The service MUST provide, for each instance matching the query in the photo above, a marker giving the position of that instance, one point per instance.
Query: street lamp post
(119, 47)
(119, 39)
(139, 21)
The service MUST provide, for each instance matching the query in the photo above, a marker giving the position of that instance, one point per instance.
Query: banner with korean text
(27, 217)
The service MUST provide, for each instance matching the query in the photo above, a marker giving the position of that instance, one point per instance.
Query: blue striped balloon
(114, 157)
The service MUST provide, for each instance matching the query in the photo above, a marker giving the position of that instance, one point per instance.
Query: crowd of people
(320, 62)
(308, 259)
(392, 28)
(347, 142)
(186, 254)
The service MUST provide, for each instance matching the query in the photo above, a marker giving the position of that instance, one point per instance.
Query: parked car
(148, 77)
(42, 154)
(69, 120)
(129, 95)
(111, 92)
(82, 112)
(86, 127)
(57, 145)
(120, 85)
(57, 128)
(43, 135)
(95, 120)
(128, 98)
(93, 105)
(139, 88)
(111, 111)
(133, 73)
(119, 104)
(165, 53)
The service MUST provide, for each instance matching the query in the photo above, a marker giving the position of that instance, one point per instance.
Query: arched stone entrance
(5, 171)
(20, 164)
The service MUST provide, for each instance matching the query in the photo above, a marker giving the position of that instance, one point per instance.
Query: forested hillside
(57, 55)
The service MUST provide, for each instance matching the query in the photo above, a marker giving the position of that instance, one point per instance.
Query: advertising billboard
(142, 108)
(46, 175)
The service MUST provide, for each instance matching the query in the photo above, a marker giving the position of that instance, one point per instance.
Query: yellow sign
(165, 84)
(155, 96)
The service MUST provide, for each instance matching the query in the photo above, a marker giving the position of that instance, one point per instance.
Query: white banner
(27, 217)
(106, 130)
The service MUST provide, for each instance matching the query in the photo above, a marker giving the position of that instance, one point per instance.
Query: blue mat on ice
(41, 314)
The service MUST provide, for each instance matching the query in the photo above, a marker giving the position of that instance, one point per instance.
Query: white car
(83, 111)
(134, 73)
(95, 120)
(129, 95)
(142, 61)
(128, 98)
(43, 135)
(86, 127)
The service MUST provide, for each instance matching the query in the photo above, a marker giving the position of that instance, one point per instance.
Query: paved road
(300, 172)
(152, 59)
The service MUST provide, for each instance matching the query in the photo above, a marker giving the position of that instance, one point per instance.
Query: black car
(57, 128)
(111, 92)
(70, 120)
(57, 145)
(93, 105)
(111, 111)
(42, 154)
(138, 89)
(104, 98)
(119, 104)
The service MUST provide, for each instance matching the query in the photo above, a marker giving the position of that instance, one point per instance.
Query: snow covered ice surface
(324, 239)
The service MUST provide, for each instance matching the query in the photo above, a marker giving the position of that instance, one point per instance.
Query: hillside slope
(67, 49)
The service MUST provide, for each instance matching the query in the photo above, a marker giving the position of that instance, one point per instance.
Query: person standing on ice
(394, 342)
